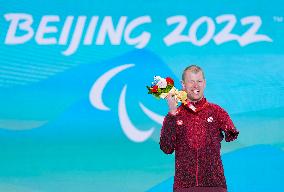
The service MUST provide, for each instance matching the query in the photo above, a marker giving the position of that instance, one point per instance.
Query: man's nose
(195, 84)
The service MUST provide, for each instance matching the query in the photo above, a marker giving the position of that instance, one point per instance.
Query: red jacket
(196, 139)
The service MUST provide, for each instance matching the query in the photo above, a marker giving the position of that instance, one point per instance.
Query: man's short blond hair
(194, 69)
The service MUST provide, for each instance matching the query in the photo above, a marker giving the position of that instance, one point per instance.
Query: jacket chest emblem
(179, 122)
(210, 119)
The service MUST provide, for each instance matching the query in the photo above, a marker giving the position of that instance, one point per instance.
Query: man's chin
(195, 98)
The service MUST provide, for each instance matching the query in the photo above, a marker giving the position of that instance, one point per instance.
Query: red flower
(155, 89)
(169, 81)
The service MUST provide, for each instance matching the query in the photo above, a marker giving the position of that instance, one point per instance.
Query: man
(195, 131)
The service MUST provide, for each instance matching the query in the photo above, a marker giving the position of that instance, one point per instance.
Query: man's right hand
(172, 104)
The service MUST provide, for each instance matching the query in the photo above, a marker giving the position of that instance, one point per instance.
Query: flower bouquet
(162, 87)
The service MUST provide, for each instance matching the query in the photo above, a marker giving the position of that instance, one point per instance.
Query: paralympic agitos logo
(72, 32)
(129, 129)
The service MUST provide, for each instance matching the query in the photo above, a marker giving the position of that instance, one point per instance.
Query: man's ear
(182, 84)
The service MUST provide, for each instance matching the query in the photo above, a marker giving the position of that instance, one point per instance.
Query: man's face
(194, 85)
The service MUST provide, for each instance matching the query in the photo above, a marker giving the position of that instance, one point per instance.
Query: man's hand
(172, 103)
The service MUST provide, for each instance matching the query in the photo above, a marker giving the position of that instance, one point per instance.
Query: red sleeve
(226, 125)
(168, 134)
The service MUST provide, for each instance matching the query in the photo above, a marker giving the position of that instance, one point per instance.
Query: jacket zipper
(196, 173)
